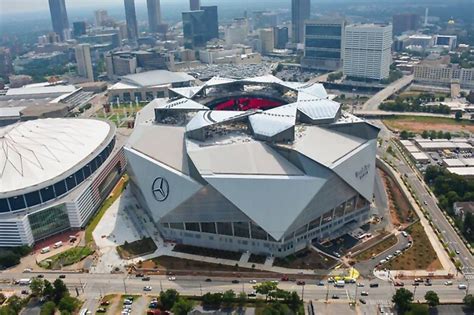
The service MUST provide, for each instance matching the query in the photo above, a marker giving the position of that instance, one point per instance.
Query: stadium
(54, 174)
(258, 165)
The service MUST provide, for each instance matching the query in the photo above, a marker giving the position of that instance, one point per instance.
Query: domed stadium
(258, 165)
(54, 173)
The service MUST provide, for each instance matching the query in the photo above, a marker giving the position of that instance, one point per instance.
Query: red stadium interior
(247, 103)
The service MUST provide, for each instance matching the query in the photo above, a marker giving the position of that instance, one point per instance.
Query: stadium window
(339, 212)
(87, 171)
(192, 226)
(241, 229)
(160, 94)
(70, 182)
(60, 188)
(17, 203)
(79, 176)
(257, 232)
(224, 228)
(208, 227)
(33, 198)
(47, 193)
(4, 205)
(177, 226)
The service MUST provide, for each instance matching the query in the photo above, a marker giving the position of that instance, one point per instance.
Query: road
(431, 205)
(96, 285)
(374, 102)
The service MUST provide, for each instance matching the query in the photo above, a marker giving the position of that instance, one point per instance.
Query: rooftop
(37, 151)
(156, 78)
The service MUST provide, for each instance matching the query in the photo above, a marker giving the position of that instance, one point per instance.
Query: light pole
(200, 288)
(124, 285)
(302, 293)
(161, 286)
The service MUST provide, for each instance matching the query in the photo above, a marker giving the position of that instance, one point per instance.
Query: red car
(399, 284)
(285, 278)
(300, 282)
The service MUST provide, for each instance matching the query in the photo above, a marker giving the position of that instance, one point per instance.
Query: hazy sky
(17, 6)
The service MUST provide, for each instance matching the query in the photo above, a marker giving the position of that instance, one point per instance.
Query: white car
(448, 283)
(147, 288)
(462, 286)
(253, 281)
(405, 234)
(360, 285)
(172, 278)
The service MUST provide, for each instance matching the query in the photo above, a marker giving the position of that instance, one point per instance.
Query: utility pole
(355, 296)
(302, 293)
(124, 286)
(327, 293)
(200, 288)
(161, 286)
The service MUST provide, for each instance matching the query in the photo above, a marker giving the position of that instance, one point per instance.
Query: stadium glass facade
(49, 222)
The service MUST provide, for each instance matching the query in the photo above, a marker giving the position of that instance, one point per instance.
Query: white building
(367, 51)
(237, 32)
(84, 61)
(146, 86)
(267, 40)
(444, 75)
(238, 54)
(55, 174)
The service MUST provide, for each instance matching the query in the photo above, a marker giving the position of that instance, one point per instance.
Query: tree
(242, 299)
(228, 298)
(37, 286)
(182, 306)
(276, 309)
(458, 116)
(447, 135)
(265, 288)
(48, 308)
(469, 301)
(293, 301)
(418, 309)
(425, 134)
(15, 304)
(432, 298)
(404, 135)
(168, 298)
(402, 299)
(440, 134)
(433, 134)
(212, 300)
(48, 290)
(68, 304)
(60, 290)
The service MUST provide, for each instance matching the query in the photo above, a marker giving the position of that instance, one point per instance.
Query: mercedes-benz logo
(160, 189)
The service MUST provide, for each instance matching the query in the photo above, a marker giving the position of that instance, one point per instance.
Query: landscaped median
(377, 248)
(137, 248)
(66, 258)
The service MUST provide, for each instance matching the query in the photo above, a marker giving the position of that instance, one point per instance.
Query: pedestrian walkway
(244, 258)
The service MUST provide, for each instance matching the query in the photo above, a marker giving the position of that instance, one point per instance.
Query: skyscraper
(267, 41)
(281, 37)
(200, 26)
(194, 5)
(101, 17)
(367, 51)
(79, 29)
(300, 11)
(404, 22)
(59, 19)
(154, 15)
(84, 61)
(6, 66)
(131, 18)
(324, 43)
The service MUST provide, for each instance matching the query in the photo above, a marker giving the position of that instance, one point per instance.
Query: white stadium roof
(156, 78)
(37, 151)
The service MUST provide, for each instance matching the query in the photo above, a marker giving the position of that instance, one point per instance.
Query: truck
(339, 284)
(58, 244)
(45, 250)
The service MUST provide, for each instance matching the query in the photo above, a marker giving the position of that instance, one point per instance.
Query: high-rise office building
(194, 5)
(263, 19)
(200, 26)
(131, 18)
(212, 21)
(324, 44)
(59, 19)
(405, 22)
(300, 11)
(267, 41)
(79, 29)
(101, 17)
(367, 51)
(280, 35)
(84, 61)
(154, 15)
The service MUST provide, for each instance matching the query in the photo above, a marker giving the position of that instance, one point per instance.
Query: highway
(93, 286)
(374, 102)
(430, 203)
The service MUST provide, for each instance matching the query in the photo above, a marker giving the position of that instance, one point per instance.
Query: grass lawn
(377, 249)
(420, 255)
(116, 192)
(66, 258)
(305, 259)
(137, 248)
(418, 124)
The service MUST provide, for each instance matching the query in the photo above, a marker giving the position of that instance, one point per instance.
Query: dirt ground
(420, 124)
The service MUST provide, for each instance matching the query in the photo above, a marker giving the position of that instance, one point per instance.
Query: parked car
(374, 285)
(146, 279)
(449, 282)
(40, 276)
(101, 310)
(147, 288)
(172, 278)
(208, 280)
(62, 276)
(253, 281)
(252, 294)
(105, 303)
(285, 278)
(399, 284)
(300, 282)
(139, 275)
(405, 234)
(360, 285)
(235, 281)
(335, 297)
(321, 283)
(462, 286)
(364, 293)
(363, 301)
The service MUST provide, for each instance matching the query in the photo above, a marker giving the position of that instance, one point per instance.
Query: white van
(462, 286)
(58, 244)
(45, 250)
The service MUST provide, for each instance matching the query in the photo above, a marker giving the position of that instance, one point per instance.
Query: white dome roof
(41, 152)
